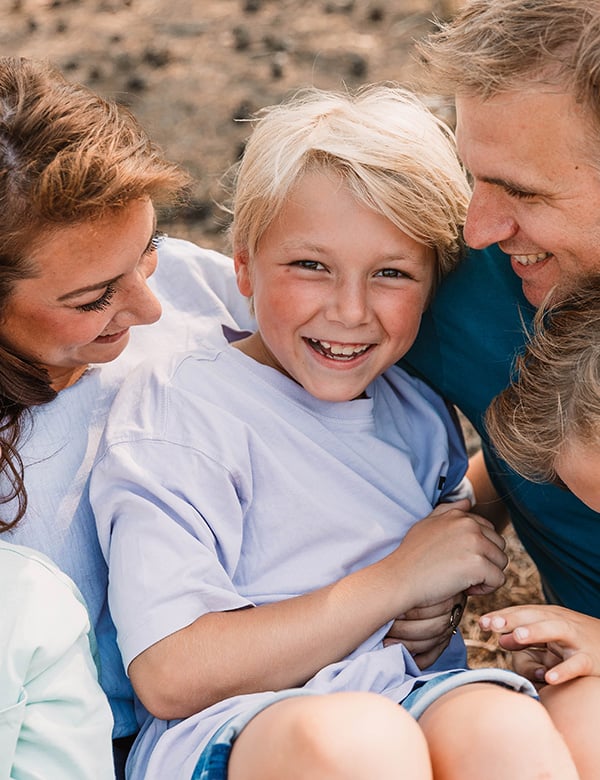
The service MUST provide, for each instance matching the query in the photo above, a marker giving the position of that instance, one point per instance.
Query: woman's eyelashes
(104, 300)
(100, 303)
(155, 241)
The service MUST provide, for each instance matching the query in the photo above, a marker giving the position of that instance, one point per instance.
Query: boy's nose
(349, 304)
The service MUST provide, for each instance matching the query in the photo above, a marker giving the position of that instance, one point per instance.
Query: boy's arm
(283, 644)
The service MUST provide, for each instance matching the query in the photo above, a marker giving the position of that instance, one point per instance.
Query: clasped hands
(459, 550)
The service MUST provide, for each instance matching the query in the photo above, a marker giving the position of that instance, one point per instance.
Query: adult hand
(556, 644)
(427, 631)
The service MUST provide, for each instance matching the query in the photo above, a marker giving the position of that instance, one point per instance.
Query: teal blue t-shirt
(465, 350)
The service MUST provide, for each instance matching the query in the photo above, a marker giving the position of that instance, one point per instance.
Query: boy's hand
(426, 631)
(450, 551)
(556, 644)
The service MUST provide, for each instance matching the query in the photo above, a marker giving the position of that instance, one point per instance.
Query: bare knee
(575, 710)
(485, 726)
(345, 735)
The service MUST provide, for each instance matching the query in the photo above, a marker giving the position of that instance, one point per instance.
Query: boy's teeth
(531, 259)
(342, 350)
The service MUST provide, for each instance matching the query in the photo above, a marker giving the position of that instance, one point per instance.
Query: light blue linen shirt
(198, 291)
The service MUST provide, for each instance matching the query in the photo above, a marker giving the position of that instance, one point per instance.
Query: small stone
(136, 84)
(241, 38)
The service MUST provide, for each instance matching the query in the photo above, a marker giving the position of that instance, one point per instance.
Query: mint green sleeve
(55, 721)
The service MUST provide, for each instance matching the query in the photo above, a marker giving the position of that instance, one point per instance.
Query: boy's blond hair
(395, 155)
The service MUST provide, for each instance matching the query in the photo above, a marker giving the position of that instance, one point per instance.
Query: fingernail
(521, 632)
(498, 623)
(552, 676)
(539, 674)
(485, 622)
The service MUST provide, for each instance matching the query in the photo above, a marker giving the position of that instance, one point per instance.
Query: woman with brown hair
(79, 184)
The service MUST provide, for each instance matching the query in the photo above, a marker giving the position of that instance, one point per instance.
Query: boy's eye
(391, 273)
(311, 265)
(100, 303)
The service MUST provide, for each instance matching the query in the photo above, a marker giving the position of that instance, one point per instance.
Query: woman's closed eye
(100, 303)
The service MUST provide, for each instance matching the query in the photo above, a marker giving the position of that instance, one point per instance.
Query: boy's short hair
(555, 395)
(395, 155)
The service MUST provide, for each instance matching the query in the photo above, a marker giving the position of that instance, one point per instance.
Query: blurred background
(193, 70)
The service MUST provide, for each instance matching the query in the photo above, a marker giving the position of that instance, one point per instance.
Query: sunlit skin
(90, 289)
(578, 466)
(338, 290)
(536, 192)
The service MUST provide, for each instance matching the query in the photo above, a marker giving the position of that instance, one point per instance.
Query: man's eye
(520, 194)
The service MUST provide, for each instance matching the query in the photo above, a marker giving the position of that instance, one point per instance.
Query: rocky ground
(194, 70)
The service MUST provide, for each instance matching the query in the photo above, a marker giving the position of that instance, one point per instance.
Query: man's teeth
(531, 259)
(343, 351)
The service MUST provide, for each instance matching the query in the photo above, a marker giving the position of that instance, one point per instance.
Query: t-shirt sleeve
(169, 519)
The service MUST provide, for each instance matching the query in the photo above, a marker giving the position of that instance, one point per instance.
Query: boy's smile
(338, 290)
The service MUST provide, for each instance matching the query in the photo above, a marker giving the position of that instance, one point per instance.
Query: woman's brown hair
(66, 156)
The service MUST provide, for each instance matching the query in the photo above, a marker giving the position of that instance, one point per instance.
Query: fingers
(577, 665)
(509, 618)
(420, 630)
(463, 504)
(443, 608)
(541, 667)
(424, 651)
(561, 644)
(543, 632)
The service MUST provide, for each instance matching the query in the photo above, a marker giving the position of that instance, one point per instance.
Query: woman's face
(90, 288)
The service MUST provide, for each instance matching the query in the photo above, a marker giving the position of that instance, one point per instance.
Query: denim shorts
(212, 764)
(426, 692)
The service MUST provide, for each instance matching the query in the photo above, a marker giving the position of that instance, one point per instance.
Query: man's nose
(488, 218)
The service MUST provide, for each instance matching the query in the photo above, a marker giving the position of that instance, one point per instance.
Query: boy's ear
(241, 262)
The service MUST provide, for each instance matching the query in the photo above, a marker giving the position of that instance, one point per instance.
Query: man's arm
(487, 501)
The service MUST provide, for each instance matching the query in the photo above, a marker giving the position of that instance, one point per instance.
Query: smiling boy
(270, 505)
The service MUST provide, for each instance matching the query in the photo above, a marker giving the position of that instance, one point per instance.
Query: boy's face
(578, 466)
(338, 290)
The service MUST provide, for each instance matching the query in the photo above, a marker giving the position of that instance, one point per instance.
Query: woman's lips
(111, 338)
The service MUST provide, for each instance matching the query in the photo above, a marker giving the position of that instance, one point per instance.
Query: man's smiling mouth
(531, 259)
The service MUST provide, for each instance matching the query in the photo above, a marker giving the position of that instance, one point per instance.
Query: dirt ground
(193, 70)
